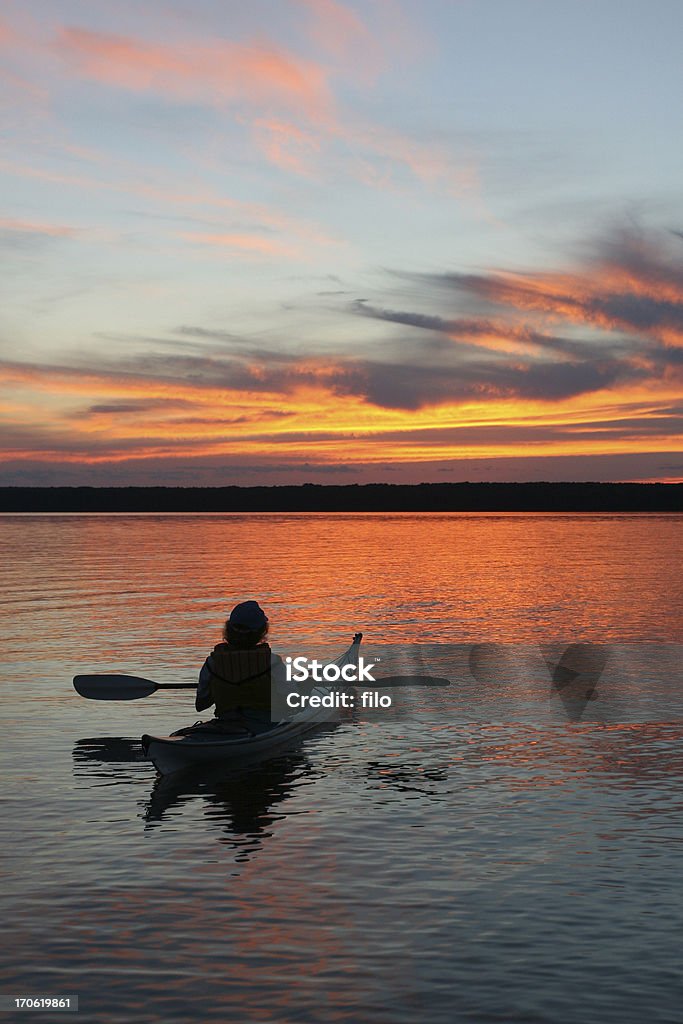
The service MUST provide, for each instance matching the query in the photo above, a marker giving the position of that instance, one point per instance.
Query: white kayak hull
(173, 753)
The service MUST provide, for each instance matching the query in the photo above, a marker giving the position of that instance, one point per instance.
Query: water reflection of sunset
(155, 589)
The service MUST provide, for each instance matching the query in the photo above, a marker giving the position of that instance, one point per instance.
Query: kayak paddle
(119, 687)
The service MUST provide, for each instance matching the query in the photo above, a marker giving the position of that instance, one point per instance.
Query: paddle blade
(113, 687)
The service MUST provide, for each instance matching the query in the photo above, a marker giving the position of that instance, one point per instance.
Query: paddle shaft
(122, 687)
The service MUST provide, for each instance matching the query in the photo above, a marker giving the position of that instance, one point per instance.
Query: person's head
(246, 626)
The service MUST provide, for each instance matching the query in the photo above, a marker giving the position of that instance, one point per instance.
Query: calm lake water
(504, 864)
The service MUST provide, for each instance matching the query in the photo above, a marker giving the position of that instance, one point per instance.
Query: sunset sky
(278, 242)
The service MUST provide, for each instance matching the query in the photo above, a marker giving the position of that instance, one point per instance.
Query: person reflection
(243, 805)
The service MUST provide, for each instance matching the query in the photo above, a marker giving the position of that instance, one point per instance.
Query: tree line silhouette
(440, 497)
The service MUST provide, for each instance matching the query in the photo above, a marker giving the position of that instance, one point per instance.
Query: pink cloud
(285, 98)
(335, 27)
(7, 34)
(271, 77)
(244, 243)
(338, 31)
(430, 164)
(175, 197)
(286, 145)
(367, 48)
(30, 227)
(220, 71)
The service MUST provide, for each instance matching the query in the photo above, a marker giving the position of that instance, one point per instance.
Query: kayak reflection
(240, 803)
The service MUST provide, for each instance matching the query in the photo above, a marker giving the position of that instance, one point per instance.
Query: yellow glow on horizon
(143, 419)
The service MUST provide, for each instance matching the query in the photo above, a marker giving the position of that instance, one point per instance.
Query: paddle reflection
(89, 755)
(408, 777)
(239, 803)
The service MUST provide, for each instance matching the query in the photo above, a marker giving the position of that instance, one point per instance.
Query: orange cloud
(137, 417)
(220, 72)
(633, 288)
(605, 299)
(445, 389)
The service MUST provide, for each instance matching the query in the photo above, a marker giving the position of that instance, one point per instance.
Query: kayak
(173, 753)
(191, 748)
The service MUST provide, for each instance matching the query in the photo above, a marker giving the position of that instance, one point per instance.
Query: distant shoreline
(447, 497)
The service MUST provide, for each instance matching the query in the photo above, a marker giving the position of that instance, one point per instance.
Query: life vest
(240, 678)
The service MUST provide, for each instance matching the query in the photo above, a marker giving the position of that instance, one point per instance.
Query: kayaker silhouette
(238, 674)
